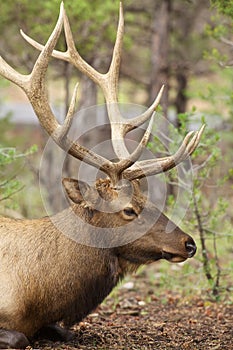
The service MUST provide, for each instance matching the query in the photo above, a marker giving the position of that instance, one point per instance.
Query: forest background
(186, 45)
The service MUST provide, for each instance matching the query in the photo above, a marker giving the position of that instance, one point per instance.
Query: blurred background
(186, 45)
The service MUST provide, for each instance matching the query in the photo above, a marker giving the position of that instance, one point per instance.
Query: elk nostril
(190, 247)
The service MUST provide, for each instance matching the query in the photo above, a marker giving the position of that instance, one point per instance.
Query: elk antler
(34, 87)
(155, 166)
(108, 83)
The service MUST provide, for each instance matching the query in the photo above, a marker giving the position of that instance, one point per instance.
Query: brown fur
(45, 276)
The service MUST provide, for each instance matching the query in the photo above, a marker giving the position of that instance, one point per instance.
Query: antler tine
(141, 119)
(33, 84)
(156, 166)
(55, 53)
(112, 76)
(36, 90)
(126, 163)
(110, 90)
(10, 74)
(199, 134)
(26, 82)
(64, 129)
(71, 55)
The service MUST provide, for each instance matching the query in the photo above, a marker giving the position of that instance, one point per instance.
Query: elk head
(115, 201)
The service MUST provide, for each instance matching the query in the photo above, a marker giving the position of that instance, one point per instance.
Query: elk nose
(191, 247)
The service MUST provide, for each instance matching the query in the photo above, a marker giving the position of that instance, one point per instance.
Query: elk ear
(77, 190)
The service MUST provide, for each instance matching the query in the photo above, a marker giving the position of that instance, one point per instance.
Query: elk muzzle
(190, 249)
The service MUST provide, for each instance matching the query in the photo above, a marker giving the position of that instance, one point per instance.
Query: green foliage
(87, 19)
(224, 6)
(207, 213)
(215, 55)
(220, 29)
(11, 164)
(9, 184)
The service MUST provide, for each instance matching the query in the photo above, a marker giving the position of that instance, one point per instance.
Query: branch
(206, 262)
(226, 41)
(218, 267)
(11, 194)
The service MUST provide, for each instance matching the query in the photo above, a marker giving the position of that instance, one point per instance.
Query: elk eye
(130, 212)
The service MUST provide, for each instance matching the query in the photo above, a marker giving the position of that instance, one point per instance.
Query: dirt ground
(135, 318)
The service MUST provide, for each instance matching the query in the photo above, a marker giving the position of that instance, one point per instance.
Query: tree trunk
(160, 53)
(160, 65)
(181, 98)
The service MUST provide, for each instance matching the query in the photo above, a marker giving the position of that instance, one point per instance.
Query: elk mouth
(190, 248)
(174, 258)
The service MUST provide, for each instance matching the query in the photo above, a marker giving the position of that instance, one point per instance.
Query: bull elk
(45, 275)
